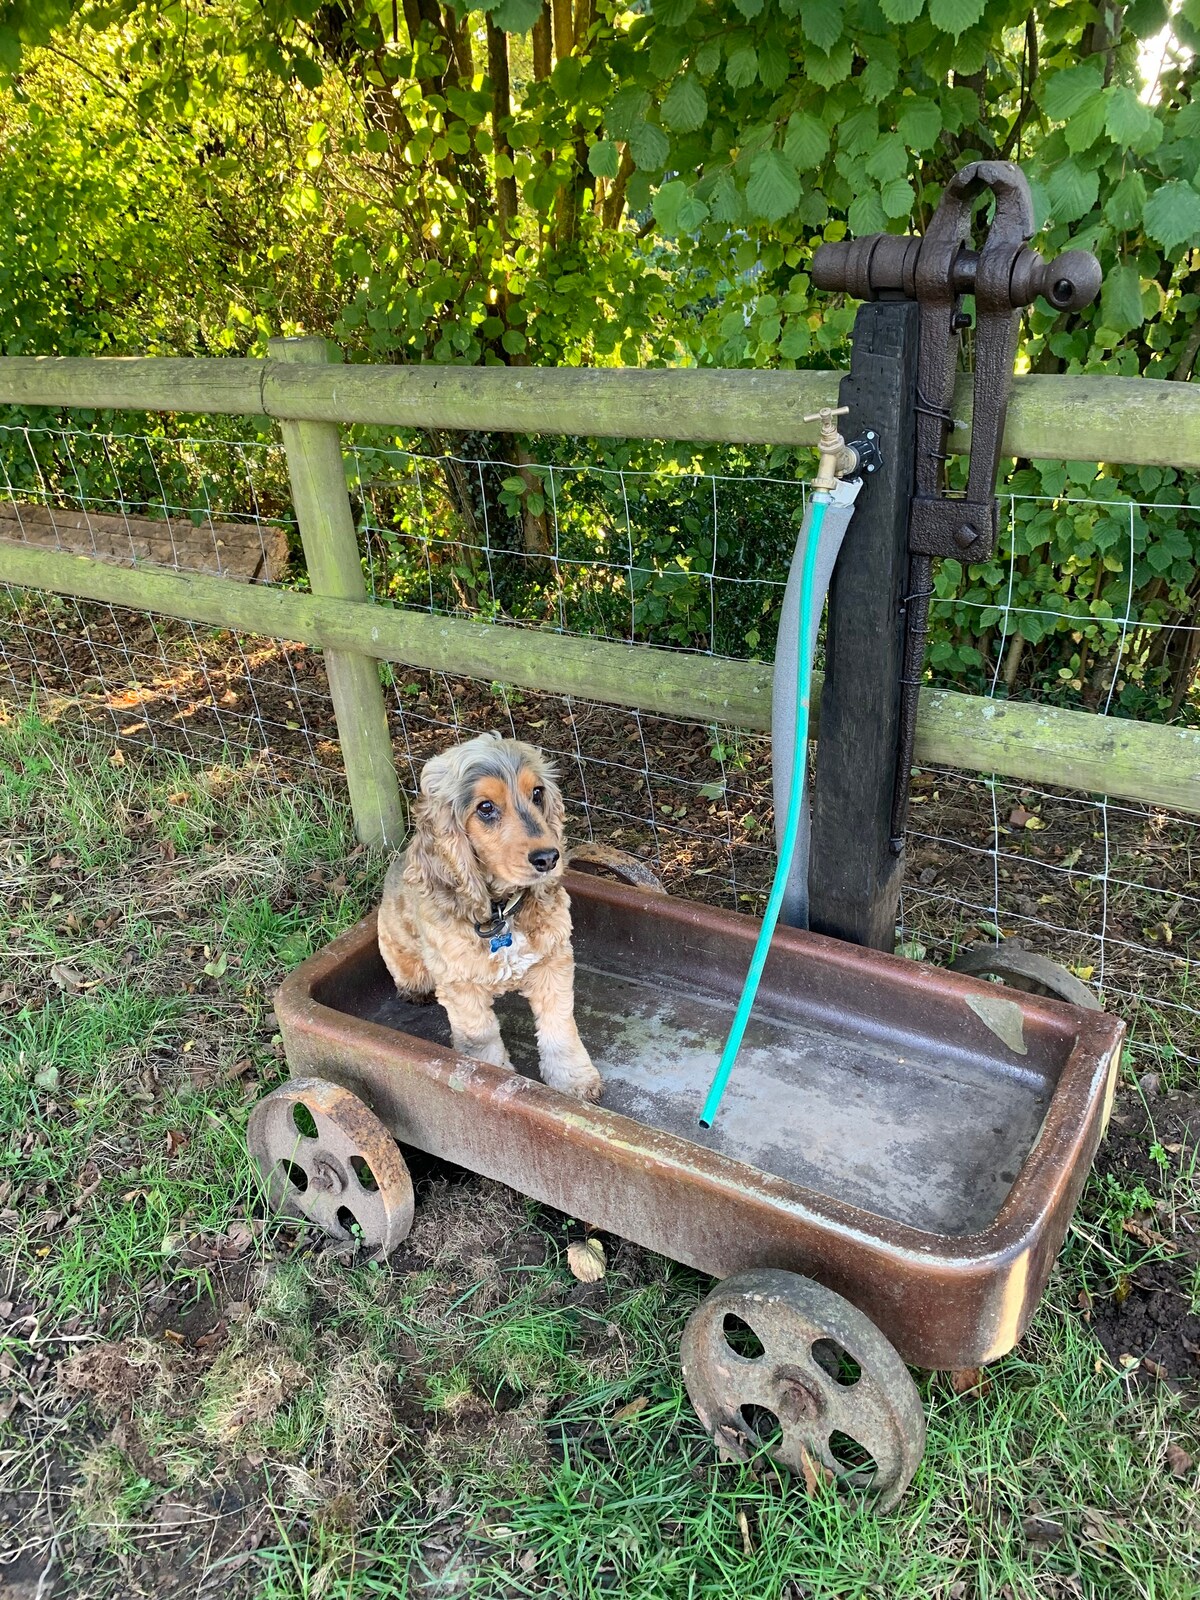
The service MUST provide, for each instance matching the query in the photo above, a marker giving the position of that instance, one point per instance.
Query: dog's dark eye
(538, 795)
(487, 810)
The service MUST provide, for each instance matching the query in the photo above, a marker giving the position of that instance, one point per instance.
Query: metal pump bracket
(937, 270)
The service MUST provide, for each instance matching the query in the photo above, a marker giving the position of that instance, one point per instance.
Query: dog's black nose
(543, 860)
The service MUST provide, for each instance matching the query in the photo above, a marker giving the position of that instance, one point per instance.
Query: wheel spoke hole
(741, 1338)
(762, 1424)
(349, 1222)
(855, 1463)
(363, 1173)
(295, 1174)
(838, 1363)
(306, 1123)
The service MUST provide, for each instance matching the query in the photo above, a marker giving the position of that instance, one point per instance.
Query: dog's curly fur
(487, 823)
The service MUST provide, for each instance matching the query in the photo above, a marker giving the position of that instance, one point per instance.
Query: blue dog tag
(501, 940)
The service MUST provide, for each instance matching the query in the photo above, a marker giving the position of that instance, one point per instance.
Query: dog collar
(497, 929)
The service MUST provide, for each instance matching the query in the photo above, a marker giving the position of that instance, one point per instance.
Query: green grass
(470, 1417)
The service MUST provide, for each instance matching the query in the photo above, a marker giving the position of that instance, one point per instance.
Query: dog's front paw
(577, 1077)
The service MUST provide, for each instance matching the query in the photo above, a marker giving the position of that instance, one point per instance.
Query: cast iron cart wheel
(1025, 970)
(771, 1358)
(322, 1155)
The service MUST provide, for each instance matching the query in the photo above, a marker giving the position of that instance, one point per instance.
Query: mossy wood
(327, 532)
(1034, 743)
(1136, 421)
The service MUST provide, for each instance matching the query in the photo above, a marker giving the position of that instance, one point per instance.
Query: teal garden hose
(824, 527)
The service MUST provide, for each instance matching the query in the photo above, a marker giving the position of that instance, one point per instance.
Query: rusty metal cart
(900, 1154)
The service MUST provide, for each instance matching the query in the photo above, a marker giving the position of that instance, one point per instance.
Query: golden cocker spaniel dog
(475, 906)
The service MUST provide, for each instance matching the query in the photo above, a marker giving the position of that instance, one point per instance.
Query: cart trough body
(910, 1138)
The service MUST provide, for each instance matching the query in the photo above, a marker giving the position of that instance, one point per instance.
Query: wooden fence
(305, 387)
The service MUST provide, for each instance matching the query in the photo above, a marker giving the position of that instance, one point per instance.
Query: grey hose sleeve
(794, 911)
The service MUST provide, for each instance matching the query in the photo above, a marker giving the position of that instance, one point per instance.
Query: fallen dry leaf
(744, 1524)
(1148, 1236)
(1043, 1531)
(970, 1380)
(587, 1260)
(816, 1474)
(731, 1445)
(623, 1413)
(68, 977)
(176, 1141)
(1179, 1463)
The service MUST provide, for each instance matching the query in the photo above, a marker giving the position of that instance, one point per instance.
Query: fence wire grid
(674, 552)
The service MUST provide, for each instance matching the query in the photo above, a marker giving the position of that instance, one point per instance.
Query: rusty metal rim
(1015, 1229)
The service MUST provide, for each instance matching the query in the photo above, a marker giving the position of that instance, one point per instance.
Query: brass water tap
(837, 459)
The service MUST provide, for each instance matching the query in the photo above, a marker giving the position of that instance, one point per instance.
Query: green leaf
(897, 197)
(667, 203)
(603, 159)
(859, 132)
(1121, 299)
(796, 339)
(774, 188)
(822, 22)
(774, 62)
(516, 16)
(1124, 206)
(1070, 90)
(902, 10)
(832, 68)
(649, 147)
(625, 110)
(1172, 214)
(673, 13)
(807, 140)
(693, 213)
(1127, 120)
(955, 16)
(866, 214)
(749, 8)
(919, 124)
(889, 159)
(1072, 191)
(1086, 126)
(1146, 17)
(686, 105)
(742, 67)
(726, 204)
(708, 57)
(881, 71)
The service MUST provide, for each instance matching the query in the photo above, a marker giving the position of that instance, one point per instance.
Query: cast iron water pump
(937, 271)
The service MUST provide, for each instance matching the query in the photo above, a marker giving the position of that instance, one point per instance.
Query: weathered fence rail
(1133, 421)
(1137, 421)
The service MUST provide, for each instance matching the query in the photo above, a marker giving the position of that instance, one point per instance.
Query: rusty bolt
(796, 1401)
(965, 536)
(327, 1177)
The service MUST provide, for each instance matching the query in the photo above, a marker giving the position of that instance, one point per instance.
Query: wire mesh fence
(687, 551)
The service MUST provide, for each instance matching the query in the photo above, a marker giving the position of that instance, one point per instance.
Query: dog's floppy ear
(555, 811)
(439, 856)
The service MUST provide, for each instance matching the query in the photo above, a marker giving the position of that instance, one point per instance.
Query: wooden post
(322, 505)
(854, 877)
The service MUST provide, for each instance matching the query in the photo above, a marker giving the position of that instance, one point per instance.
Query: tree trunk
(543, 46)
(564, 34)
(506, 188)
